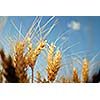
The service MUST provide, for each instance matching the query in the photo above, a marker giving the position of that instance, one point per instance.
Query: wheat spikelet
(75, 76)
(85, 71)
(19, 50)
(57, 59)
(53, 63)
(50, 54)
(28, 54)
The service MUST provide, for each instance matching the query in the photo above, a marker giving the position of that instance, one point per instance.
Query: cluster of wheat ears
(14, 68)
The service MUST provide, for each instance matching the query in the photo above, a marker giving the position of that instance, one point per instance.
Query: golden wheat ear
(8, 68)
(75, 76)
(50, 62)
(20, 63)
(85, 71)
(54, 62)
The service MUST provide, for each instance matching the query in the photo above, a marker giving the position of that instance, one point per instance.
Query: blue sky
(85, 29)
(87, 34)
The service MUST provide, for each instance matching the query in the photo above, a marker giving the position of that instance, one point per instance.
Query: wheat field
(27, 52)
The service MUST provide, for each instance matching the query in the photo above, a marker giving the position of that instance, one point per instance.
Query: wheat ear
(19, 62)
(85, 71)
(32, 55)
(53, 63)
(75, 76)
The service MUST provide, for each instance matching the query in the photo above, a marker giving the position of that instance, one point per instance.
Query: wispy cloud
(2, 22)
(74, 25)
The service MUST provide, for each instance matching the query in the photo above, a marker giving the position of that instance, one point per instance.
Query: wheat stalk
(1, 79)
(38, 77)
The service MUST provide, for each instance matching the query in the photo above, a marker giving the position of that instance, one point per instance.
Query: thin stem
(32, 74)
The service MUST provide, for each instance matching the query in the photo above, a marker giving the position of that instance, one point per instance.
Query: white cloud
(74, 25)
